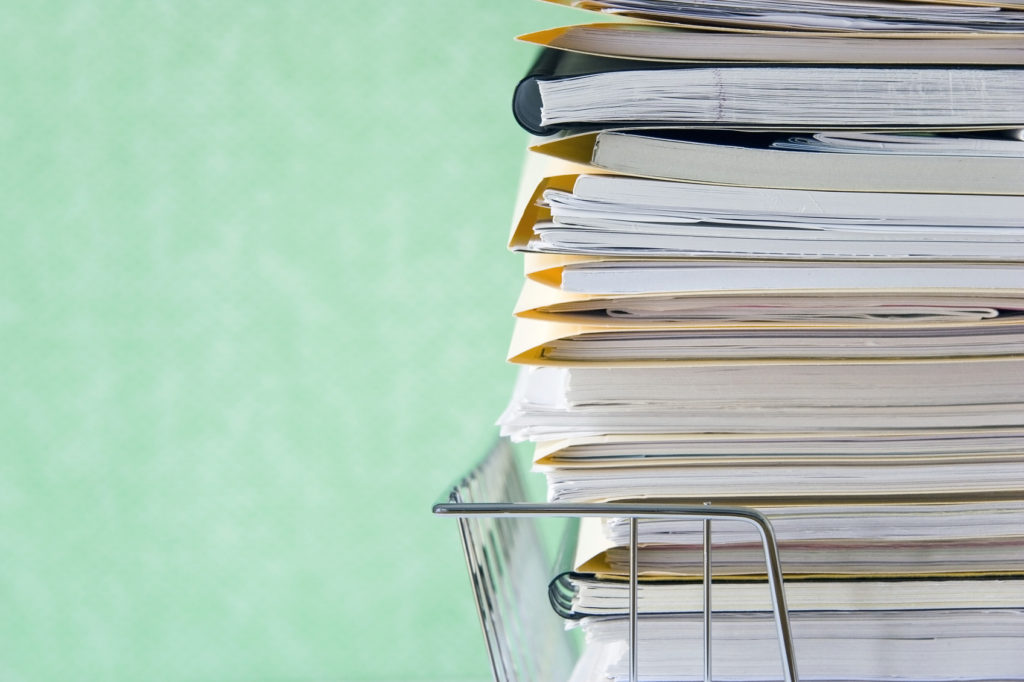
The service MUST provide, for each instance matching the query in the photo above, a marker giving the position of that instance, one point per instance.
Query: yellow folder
(542, 342)
(541, 172)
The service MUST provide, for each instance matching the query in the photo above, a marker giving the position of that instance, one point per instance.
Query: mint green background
(254, 305)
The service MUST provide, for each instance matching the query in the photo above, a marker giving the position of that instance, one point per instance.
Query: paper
(781, 96)
(551, 403)
(820, 15)
(623, 216)
(870, 646)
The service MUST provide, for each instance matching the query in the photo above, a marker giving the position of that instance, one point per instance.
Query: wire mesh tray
(526, 642)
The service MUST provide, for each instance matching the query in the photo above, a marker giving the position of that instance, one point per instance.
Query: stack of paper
(774, 255)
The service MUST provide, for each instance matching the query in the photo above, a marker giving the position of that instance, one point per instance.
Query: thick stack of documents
(774, 256)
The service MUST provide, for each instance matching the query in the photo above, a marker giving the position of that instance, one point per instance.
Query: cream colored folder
(752, 236)
(540, 172)
(540, 342)
(543, 300)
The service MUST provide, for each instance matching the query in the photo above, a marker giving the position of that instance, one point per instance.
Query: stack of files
(774, 257)
(886, 591)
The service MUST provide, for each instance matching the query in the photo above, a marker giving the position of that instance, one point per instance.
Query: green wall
(254, 305)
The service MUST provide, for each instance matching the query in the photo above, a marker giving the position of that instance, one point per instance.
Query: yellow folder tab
(546, 268)
(536, 299)
(577, 149)
(532, 339)
(543, 171)
(536, 342)
(542, 299)
(530, 209)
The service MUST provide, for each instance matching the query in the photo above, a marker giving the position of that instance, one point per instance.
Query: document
(551, 402)
(885, 539)
(628, 216)
(567, 91)
(861, 162)
(869, 646)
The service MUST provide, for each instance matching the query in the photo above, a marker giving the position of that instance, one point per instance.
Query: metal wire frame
(488, 547)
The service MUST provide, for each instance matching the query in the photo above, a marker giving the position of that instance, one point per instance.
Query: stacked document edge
(839, 347)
